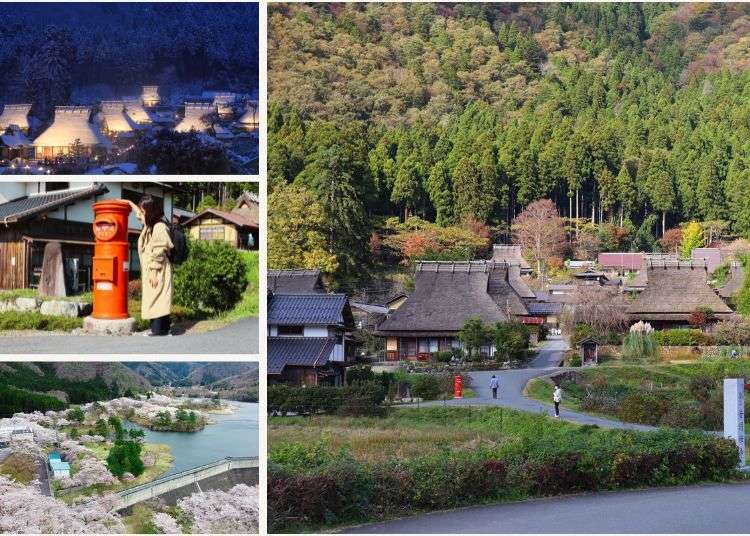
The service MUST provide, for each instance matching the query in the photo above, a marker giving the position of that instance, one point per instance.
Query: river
(233, 434)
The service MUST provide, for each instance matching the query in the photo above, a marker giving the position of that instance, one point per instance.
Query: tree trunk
(622, 214)
(663, 222)
(577, 213)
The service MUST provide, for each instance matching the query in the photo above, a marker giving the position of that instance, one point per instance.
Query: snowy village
(84, 92)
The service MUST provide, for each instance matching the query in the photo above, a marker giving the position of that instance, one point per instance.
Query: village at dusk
(140, 88)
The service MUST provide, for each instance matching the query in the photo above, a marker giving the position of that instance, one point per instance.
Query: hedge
(311, 486)
(683, 337)
(358, 399)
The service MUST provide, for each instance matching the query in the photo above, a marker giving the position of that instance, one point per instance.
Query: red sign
(457, 386)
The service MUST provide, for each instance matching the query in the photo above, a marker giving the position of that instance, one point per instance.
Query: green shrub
(642, 408)
(581, 332)
(212, 278)
(575, 360)
(425, 386)
(443, 356)
(683, 337)
(11, 320)
(357, 399)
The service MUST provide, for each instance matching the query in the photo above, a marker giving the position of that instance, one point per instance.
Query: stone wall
(67, 308)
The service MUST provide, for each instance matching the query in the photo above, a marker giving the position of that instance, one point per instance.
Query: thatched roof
(114, 119)
(15, 114)
(518, 284)
(295, 282)
(250, 117)
(674, 291)
(71, 123)
(195, 112)
(446, 294)
(136, 112)
(734, 283)
(511, 254)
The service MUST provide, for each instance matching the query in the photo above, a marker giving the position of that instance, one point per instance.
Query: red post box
(457, 386)
(111, 263)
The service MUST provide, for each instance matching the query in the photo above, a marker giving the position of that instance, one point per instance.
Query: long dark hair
(153, 211)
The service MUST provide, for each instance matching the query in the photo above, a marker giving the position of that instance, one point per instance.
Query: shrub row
(358, 399)
(336, 488)
(683, 337)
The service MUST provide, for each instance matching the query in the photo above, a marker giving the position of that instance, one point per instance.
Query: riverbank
(162, 461)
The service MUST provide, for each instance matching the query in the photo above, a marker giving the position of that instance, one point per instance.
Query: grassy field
(248, 305)
(164, 459)
(656, 394)
(19, 467)
(329, 471)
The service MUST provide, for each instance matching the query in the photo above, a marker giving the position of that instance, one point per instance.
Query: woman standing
(154, 245)
(557, 398)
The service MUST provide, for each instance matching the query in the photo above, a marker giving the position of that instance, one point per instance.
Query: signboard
(734, 413)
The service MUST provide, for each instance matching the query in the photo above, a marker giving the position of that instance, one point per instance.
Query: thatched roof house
(510, 254)
(114, 120)
(16, 114)
(249, 120)
(446, 294)
(295, 282)
(674, 291)
(136, 112)
(150, 96)
(195, 117)
(70, 126)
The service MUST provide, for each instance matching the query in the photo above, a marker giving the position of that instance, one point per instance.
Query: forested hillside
(634, 116)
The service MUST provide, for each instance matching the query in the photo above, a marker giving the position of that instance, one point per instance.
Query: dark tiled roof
(677, 290)
(34, 205)
(446, 294)
(295, 282)
(298, 352)
(316, 309)
(231, 217)
(544, 308)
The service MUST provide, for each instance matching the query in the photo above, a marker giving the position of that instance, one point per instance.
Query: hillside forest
(399, 130)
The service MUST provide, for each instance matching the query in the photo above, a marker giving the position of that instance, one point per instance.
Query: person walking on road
(494, 384)
(557, 398)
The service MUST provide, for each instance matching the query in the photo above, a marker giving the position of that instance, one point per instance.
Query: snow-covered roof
(250, 117)
(71, 123)
(150, 94)
(136, 112)
(15, 114)
(13, 137)
(114, 118)
(195, 112)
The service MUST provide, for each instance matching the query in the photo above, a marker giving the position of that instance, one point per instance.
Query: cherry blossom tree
(166, 523)
(222, 512)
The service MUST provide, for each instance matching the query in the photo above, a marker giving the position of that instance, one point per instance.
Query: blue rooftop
(54, 456)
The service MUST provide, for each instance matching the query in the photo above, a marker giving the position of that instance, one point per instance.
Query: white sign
(104, 285)
(734, 413)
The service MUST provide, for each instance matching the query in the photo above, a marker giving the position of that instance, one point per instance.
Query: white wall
(316, 331)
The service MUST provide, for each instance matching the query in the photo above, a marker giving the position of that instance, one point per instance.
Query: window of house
(211, 232)
(292, 330)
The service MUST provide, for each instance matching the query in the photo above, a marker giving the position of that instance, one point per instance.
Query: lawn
(164, 459)
(679, 395)
(328, 471)
(19, 467)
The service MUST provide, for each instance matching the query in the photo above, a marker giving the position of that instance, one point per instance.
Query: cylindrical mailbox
(111, 260)
(457, 386)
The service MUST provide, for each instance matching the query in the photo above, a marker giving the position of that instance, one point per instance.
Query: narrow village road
(513, 382)
(704, 509)
(239, 337)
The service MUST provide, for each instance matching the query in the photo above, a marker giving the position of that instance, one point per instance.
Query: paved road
(43, 472)
(513, 382)
(704, 509)
(240, 337)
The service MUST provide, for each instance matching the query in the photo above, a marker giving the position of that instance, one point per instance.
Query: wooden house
(446, 294)
(33, 214)
(233, 228)
(309, 338)
(675, 290)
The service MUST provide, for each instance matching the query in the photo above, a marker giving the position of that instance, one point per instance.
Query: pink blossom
(166, 523)
(223, 512)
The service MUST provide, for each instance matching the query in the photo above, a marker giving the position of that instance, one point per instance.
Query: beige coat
(153, 250)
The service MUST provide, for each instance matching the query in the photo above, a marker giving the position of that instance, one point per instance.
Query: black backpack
(178, 254)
